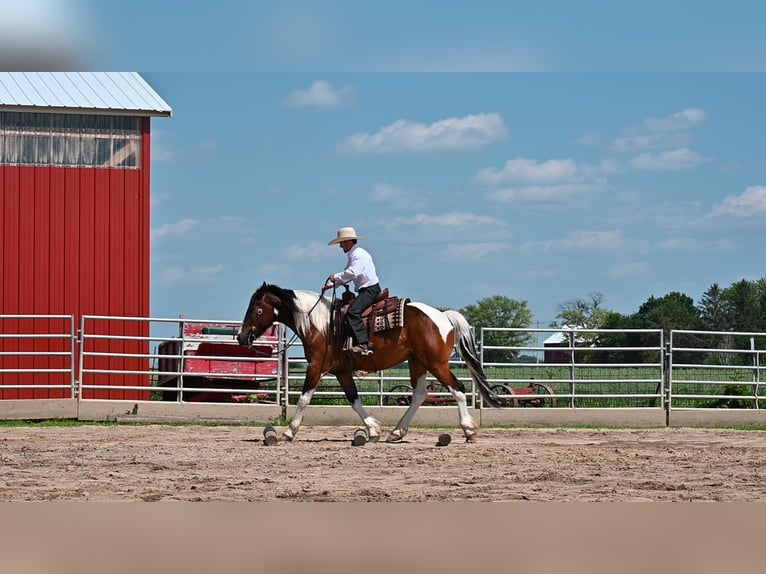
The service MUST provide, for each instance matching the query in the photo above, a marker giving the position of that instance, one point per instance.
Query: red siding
(75, 241)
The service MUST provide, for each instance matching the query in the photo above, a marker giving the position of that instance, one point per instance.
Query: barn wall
(73, 241)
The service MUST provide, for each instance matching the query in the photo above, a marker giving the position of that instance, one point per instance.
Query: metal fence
(183, 360)
(716, 369)
(596, 368)
(37, 356)
(177, 360)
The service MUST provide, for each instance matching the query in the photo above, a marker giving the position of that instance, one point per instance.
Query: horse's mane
(308, 309)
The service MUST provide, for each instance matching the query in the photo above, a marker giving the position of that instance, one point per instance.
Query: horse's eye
(259, 312)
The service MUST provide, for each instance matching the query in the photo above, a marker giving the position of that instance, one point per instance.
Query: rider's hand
(329, 283)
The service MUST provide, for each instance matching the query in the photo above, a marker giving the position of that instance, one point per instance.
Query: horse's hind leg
(346, 381)
(446, 377)
(419, 392)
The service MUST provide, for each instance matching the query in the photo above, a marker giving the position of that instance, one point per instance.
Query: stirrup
(363, 350)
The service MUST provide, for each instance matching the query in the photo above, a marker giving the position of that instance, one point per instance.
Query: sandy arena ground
(231, 463)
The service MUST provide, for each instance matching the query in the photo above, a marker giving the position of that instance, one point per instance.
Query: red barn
(74, 216)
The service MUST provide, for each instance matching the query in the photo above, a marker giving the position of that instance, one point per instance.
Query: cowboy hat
(344, 234)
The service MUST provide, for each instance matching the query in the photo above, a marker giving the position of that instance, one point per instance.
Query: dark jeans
(364, 299)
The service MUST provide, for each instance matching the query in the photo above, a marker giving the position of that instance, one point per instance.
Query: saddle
(384, 314)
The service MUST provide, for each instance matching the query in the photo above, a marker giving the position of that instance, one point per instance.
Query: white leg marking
(466, 420)
(418, 397)
(372, 424)
(295, 424)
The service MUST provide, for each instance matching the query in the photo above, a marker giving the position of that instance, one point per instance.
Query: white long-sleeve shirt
(360, 269)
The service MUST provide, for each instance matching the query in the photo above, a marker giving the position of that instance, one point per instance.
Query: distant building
(558, 348)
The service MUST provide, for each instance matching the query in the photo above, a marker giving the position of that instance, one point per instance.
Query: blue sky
(541, 187)
(396, 35)
(611, 146)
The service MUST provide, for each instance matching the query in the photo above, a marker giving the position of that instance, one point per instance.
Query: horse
(425, 340)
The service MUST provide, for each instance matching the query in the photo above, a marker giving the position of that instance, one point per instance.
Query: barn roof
(123, 93)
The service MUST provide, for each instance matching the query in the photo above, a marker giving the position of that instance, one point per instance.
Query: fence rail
(182, 360)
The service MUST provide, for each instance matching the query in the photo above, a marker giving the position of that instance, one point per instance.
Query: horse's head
(261, 313)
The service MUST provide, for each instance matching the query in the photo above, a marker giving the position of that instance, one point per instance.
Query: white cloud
(449, 135)
(179, 229)
(674, 160)
(398, 196)
(680, 244)
(555, 179)
(661, 133)
(223, 226)
(179, 276)
(751, 202)
(475, 250)
(599, 240)
(580, 240)
(630, 270)
(528, 170)
(455, 219)
(307, 251)
(544, 192)
(320, 95)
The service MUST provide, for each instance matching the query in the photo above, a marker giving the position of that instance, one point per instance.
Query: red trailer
(208, 364)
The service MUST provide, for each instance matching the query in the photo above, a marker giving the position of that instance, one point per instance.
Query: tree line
(740, 307)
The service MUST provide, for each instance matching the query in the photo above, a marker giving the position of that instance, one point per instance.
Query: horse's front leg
(313, 375)
(346, 380)
(419, 393)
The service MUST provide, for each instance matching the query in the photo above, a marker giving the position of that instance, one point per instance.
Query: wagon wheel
(401, 400)
(505, 390)
(543, 389)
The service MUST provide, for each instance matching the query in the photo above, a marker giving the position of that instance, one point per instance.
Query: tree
(672, 311)
(585, 312)
(743, 303)
(713, 309)
(504, 312)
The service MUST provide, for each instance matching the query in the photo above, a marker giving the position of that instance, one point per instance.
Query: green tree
(713, 309)
(585, 312)
(672, 311)
(743, 305)
(503, 312)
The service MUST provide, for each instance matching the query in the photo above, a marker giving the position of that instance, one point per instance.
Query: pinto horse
(425, 341)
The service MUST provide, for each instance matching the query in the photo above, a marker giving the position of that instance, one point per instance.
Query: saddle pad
(391, 316)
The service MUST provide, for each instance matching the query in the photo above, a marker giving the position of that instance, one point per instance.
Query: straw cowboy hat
(344, 233)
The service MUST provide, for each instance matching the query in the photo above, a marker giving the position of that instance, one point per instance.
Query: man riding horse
(360, 269)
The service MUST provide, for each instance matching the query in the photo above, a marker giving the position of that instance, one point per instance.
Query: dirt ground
(232, 463)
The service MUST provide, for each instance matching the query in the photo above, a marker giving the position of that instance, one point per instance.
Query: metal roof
(125, 93)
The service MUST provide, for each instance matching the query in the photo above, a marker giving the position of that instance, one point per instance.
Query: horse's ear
(264, 285)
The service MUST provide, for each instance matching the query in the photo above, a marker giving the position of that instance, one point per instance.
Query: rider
(361, 270)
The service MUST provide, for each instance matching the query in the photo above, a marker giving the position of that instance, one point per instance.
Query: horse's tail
(465, 343)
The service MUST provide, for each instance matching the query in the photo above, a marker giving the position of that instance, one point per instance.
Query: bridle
(251, 338)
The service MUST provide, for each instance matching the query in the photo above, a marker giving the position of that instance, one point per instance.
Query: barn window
(70, 140)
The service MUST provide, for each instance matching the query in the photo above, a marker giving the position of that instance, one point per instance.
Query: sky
(540, 187)
(542, 151)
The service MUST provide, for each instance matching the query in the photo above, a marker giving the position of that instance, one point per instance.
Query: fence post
(667, 368)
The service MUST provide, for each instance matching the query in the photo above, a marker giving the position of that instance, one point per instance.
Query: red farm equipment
(206, 364)
(535, 394)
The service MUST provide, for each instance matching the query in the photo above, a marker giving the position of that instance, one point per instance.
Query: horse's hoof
(375, 438)
(471, 438)
(285, 438)
(396, 436)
